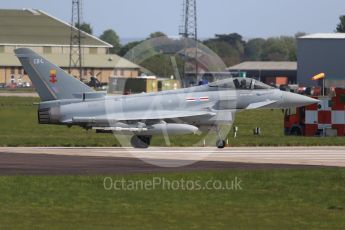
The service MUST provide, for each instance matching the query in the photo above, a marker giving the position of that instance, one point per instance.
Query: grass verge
(284, 199)
(19, 127)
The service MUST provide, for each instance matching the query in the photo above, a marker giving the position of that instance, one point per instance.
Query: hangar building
(321, 53)
(270, 72)
(50, 37)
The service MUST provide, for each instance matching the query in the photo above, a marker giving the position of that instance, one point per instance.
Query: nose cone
(291, 100)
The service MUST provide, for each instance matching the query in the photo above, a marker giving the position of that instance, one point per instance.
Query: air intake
(44, 116)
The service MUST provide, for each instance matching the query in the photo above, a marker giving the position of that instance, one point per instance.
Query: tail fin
(51, 82)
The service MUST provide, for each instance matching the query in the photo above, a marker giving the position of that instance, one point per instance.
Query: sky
(250, 18)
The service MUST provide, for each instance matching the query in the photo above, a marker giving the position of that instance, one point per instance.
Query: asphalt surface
(102, 161)
(25, 164)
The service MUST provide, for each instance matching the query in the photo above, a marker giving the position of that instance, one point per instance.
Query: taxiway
(65, 161)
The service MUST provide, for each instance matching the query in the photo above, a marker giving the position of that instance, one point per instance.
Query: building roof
(28, 27)
(89, 61)
(324, 36)
(264, 66)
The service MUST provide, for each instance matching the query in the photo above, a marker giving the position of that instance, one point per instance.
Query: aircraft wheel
(141, 142)
(221, 144)
(296, 132)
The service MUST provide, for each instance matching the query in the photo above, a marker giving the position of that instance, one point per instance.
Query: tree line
(232, 48)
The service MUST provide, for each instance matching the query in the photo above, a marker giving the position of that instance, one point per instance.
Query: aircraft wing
(260, 104)
(141, 116)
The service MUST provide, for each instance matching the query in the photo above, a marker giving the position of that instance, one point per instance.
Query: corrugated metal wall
(321, 55)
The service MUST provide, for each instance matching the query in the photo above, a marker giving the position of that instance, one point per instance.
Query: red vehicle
(326, 117)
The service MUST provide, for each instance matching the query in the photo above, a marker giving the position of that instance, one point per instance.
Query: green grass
(272, 127)
(269, 199)
(284, 199)
(17, 90)
(19, 127)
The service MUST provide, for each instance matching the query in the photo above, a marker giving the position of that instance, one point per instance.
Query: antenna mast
(189, 29)
(75, 55)
(189, 26)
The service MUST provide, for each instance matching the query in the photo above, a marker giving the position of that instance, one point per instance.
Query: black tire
(221, 144)
(295, 131)
(141, 142)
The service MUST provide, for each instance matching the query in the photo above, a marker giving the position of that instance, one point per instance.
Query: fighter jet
(67, 101)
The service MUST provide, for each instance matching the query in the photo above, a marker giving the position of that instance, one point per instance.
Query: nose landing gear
(221, 144)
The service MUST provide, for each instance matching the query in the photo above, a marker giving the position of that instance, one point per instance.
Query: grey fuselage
(67, 101)
(213, 104)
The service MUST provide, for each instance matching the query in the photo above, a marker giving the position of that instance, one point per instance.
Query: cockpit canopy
(240, 83)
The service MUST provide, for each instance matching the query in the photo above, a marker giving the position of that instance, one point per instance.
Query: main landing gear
(141, 142)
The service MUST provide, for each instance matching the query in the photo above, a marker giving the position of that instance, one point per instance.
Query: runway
(80, 161)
